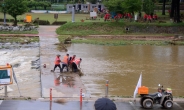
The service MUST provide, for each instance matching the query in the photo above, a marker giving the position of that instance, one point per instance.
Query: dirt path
(134, 37)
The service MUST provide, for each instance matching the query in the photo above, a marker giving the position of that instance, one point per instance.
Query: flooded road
(25, 60)
(122, 66)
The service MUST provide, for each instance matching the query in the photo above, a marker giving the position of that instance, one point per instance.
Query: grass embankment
(18, 39)
(82, 30)
(115, 42)
(19, 32)
(106, 28)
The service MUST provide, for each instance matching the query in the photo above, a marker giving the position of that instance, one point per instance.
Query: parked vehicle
(162, 97)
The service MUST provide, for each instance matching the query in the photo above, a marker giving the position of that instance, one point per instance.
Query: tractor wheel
(163, 103)
(168, 104)
(141, 102)
(148, 103)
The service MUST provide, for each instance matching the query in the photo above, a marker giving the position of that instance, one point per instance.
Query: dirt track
(135, 37)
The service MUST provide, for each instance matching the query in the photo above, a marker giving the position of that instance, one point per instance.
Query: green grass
(107, 28)
(50, 17)
(118, 42)
(63, 37)
(18, 39)
(19, 32)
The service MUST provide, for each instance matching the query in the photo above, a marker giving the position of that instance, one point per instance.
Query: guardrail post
(106, 92)
(50, 94)
(5, 91)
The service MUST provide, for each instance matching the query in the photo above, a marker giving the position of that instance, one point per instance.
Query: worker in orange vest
(76, 64)
(71, 59)
(57, 63)
(65, 62)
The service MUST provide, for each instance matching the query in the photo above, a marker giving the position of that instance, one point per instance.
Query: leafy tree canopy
(148, 6)
(15, 8)
(132, 6)
(119, 6)
(114, 6)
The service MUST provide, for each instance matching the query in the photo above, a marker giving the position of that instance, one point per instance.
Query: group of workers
(146, 17)
(150, 17)
(118, 16)
(67, 62)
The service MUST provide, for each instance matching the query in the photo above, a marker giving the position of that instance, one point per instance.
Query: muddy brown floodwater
(122, 66)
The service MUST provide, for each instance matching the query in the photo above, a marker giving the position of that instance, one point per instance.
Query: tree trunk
(163, 7)
(177, 11)
(15, 21)
(172, 9)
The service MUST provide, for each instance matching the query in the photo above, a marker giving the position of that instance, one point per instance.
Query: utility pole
(4, 11)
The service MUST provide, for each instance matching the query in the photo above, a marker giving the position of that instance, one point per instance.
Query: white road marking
(178, 106)
(1, 101)
(133, 106)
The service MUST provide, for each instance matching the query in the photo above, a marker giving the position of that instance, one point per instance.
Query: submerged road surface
(73, 105)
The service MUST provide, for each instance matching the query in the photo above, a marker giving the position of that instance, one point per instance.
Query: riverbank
(120, 28)
(116, 40)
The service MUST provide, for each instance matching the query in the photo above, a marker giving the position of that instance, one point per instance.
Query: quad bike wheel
(148, 103)
(141, 102)
(168, 104)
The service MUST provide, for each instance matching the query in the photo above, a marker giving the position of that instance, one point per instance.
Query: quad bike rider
(162, 97)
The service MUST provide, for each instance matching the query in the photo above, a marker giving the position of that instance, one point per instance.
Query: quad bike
(162, 97)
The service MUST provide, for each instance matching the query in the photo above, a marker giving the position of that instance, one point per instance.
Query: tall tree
(175, 10)
(15, 8)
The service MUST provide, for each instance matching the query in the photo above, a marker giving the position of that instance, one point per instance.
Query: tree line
(147, 6)
(19, 7)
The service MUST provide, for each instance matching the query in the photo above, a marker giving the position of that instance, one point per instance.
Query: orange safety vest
(57, 61)
(65, 60)
(77, 61)
(72, 60)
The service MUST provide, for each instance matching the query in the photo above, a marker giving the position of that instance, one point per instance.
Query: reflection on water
(122, 65)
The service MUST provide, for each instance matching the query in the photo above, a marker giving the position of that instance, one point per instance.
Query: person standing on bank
(65, 62)
(57, 63)
(76, 64)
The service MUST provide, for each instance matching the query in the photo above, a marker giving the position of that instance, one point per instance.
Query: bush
(59, 22)
(29, 24)
(4, 24)
(42, 22)
(2, 20)
(21, 20)
(11, 20)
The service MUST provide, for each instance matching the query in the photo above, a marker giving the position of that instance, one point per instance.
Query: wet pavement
(73, 105)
